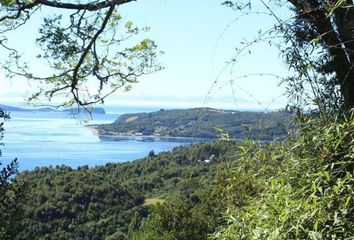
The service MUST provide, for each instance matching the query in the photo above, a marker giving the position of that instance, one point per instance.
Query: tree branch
(87, 6)
(86, 51)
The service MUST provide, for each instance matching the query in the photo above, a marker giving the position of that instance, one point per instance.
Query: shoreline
(118, 137)
(153, 138)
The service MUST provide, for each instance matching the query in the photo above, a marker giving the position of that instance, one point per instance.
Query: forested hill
(109, 202)
(199, 123)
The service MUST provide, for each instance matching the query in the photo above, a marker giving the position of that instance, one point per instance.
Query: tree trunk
(348, 90)
(337, 34)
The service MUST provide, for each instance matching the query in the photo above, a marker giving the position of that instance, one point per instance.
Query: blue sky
(192, 34)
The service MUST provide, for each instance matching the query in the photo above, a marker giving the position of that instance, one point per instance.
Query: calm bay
(40, 139)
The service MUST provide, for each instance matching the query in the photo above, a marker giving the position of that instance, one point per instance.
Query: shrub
(301, 189)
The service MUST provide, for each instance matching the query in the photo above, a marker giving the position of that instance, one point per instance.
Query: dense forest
(200, 123)
(110, 202)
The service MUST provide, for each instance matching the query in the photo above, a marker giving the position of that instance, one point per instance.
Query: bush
(177, 219)
(301, 189)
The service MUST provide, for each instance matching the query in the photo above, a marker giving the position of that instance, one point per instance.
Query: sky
(198, 38)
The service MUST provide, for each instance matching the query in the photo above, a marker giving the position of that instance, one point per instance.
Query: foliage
(193, 200)
(201, 123)
(11, 195)
(68, 204)
(108, 201)
(317, 43)
(172, 173)
(300, 190)
(90, 50)
(176, 219)
(151, 153)
(321, 51)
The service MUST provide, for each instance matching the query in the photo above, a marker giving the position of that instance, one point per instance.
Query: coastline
(119, 137)
(153, 138)
(150, 138)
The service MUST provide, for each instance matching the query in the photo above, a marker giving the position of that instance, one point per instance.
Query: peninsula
(198, 123)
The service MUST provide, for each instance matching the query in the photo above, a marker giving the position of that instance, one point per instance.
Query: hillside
(109, 202)
(215, 190)
(199, 123)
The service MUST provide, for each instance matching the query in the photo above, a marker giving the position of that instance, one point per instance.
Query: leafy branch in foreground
(89, 57)
(317, 43)
(301, 189)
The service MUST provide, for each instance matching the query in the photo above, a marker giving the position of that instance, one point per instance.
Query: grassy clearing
(153, 201)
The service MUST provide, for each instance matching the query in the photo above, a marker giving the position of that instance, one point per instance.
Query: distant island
(197, 123)
(7, 108)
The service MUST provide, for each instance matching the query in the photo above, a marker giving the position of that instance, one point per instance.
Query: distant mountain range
(7, 108)
(199, 123)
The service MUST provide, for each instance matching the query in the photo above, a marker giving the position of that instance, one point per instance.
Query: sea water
(54, 138)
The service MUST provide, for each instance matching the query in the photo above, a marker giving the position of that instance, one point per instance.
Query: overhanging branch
(89, 6)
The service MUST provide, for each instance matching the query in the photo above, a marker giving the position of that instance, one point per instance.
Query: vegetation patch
(153, 201)
(201, 123)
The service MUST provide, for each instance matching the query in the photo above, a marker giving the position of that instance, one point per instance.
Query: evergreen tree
(11, 195)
